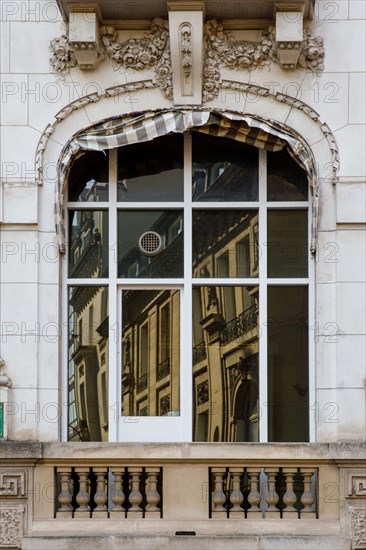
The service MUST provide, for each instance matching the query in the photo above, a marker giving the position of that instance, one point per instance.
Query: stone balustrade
(104, 492)
(269, 492)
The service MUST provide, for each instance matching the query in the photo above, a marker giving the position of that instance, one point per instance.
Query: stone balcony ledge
(214, 453)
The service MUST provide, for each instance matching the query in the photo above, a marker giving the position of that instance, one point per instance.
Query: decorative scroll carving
(63, 57)
(12, 483)
(358, 528)
(222, 49)
(11, 521)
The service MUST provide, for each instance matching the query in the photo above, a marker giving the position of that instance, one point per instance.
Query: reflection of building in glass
(88, 363)
(88, 329)
(151, 353)
(225, 328)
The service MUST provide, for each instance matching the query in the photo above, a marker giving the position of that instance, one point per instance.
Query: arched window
(188, 278)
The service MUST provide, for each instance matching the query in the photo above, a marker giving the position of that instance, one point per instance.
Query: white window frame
(168, 429)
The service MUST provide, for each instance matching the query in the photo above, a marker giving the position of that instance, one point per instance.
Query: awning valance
(140, 127)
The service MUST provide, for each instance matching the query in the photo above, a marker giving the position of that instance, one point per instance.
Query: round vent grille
(150, 243)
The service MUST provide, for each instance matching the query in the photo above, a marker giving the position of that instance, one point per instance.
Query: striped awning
(140, 127)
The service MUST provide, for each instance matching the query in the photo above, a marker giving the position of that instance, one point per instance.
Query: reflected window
(151, 375)
(194, 258)
(88, 363)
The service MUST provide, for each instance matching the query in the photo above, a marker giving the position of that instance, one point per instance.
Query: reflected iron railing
(142, 383)
(199, 352)
(163, 369)
(239, 325)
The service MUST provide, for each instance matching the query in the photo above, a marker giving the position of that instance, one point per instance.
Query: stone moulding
(149, 84)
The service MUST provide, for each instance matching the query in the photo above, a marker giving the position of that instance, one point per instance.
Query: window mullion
(114, 339)
(186, 309)
(263, 377)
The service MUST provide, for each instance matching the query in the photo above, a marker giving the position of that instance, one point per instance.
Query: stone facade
(64, 69)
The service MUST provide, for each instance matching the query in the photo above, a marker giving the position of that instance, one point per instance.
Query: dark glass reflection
(287, 243)
(151, 171)
(286, 180)
(88, 363)
(88, 249)
(135, 261)
(223, 169)
(88, 179)
(150, 352)
(225, 243)
(225, 363)
(288, 376)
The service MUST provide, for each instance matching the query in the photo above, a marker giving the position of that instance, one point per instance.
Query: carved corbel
(84, 35)
(186, 46)
(289, 33)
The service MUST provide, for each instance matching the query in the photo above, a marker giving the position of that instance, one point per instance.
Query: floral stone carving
(11, 521)
(223, 50)
(358, 527)
(63, 57)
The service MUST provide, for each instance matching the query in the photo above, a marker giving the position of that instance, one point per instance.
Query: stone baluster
(289, 498)
(272, 497)
(218, 497)
(135, 497)
(83, 497)
(254, 498)
(307, 498)
(100, 497)
(236, 496)
(118, 496)
(65, 496)
(152, 495)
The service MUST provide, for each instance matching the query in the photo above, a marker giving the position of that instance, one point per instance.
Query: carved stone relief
(63, 58)
(12, 483)
(11, 521)
(358, 528)
(221, 49)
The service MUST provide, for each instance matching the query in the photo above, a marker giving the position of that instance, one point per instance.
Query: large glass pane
(88, 179)
(88, 363)
(223, 169)
(288, 356)
(225, 363)
(88, 250)
(150, 352)
(150, 243)
(151, 171)
(287, 243)
(225, 243)
(286, 180)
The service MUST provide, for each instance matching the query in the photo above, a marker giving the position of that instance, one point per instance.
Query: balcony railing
(103, 492)
(163, 369)
(199, 352)
(287, 492)
(239, 325)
